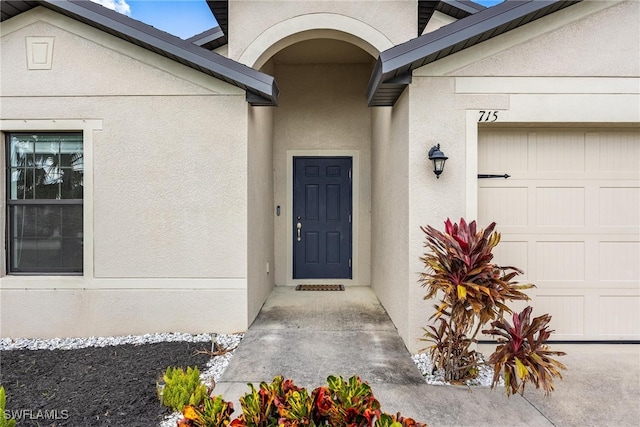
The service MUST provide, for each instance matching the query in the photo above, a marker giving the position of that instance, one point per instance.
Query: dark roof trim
(455, 8)
(452, 38)
(220, 9)
(210, 39)
(259, 84)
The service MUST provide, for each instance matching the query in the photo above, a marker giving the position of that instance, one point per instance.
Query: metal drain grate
(320, 288)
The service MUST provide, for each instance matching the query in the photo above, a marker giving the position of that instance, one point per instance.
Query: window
(44, 203)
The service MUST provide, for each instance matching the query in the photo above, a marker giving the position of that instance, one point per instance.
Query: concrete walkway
(307, 336)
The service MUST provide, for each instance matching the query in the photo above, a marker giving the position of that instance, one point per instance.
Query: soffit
(261, 88)
(396, 64)
(210, 39)
(220, 10)
(455, 8)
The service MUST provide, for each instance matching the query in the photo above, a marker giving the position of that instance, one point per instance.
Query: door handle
(299, 227)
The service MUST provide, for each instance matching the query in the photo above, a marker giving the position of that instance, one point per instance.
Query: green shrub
(5, 421)
(182, 388)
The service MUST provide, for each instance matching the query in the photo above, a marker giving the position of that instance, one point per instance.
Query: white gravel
(425, 365)
(78, 343)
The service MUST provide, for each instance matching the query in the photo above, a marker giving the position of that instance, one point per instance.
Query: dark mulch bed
(114, 386)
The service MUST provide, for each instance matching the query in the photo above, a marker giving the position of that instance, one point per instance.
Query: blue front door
(321, 217)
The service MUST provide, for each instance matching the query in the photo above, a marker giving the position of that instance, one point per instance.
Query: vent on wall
(39, 53)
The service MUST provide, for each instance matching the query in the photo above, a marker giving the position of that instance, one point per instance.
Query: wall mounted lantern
(438, 159)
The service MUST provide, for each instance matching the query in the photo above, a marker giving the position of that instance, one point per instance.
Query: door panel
(322, 218)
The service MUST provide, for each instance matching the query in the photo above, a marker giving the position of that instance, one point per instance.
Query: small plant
(397, 420)
(522, 353)
(473, 292)
(295, 408)
(281, 402)
(349, 403)
(212, 412)
(5, 421)
(182, 388)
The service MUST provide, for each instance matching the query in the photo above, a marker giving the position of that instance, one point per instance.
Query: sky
(182, 18)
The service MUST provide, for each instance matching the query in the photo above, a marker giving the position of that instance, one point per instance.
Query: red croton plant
(473, 291)
(283, 404)
(523, 354)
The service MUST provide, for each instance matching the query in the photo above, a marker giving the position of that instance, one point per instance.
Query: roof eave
(457, 9)
(459, 35)
(220, 10)
(210, 39)
(163, 43)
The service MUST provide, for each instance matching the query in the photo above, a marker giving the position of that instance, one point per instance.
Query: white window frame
(87, 127)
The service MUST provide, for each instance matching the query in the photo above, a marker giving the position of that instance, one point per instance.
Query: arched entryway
(322, 113)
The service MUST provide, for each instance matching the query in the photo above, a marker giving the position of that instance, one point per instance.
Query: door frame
(355, 207)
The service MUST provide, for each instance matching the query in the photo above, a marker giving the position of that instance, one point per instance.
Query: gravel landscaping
(112, 381)
(100, 381)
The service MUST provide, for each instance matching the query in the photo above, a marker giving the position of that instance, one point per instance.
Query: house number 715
(488, 116)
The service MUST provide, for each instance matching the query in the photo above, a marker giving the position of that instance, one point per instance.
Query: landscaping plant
(5, 421)
(348, 403)
(473, 292)
(283, 404)
(523, 354)
(280, 403)
(212, 412)
(182, 388)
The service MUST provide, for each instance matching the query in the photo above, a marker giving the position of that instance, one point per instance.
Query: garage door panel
(506, 205)
(506, 150)
(560, 207)
(619, 152)
(567, 313)
(620, 261)
(513, 254)
(560, 261)
(559, 151)
(571, 220)
(619, 315)
(619, 206)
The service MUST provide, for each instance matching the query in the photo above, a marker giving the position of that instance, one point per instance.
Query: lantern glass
(438, 166)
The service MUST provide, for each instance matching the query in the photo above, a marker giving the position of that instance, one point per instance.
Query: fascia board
(456, 32)
(413, 54)
(228, 70)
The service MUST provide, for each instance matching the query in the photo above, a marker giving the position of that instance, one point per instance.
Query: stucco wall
(390, 211)
(165, 186)
(261, 264)
(323, 107)
(578, 67)
(249, 19)
(603, 42)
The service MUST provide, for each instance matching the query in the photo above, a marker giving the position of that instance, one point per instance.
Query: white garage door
(570, 217)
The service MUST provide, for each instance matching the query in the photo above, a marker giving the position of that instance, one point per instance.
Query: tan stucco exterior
(277, 21)
(185, 179)
(554, 71)
(165, 186)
